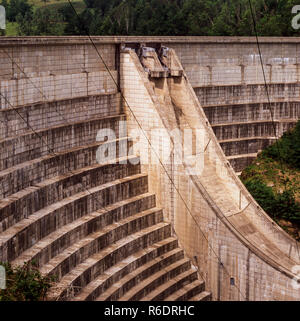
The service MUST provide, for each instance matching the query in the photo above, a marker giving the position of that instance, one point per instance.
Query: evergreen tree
(175, 17)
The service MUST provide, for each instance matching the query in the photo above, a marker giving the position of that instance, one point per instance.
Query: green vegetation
(24, 283)
(274, 181)
(185, 17)
(35, 17)
(44, 3)
(40, 22)
(12, 28)
(287, 149)
(155, 17)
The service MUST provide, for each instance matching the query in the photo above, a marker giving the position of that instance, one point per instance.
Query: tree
(24, 283)
(184, 17)
(42, 22)
(16, 8)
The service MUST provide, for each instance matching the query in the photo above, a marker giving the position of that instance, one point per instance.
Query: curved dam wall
(73, 198)
(226, 75)
(240, 252)
(63, 91)
(228, 80)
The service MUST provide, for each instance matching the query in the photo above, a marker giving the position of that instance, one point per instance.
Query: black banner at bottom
(146, 310)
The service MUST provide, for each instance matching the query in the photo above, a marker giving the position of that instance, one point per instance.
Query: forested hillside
(274, 181)
(151, 17)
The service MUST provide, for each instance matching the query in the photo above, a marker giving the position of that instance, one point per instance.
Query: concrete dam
(120, 158)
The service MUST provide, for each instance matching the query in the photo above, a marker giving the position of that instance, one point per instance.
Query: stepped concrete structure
(119, 162)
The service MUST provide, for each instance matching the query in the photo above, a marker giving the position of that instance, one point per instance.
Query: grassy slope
(79, 5)
(11, 29)
(269, 172)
